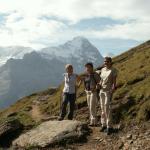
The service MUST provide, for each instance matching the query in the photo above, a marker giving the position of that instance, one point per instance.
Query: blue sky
(112, 26)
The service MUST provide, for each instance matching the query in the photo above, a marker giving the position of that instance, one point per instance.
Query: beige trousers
(92, 103)
(105, 98)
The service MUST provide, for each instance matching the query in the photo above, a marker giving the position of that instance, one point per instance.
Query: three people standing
(104, 80)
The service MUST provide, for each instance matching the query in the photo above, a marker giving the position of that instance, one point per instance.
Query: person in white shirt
(108, 77)
(69, 92)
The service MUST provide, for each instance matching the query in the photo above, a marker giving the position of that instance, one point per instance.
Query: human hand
(113, 89)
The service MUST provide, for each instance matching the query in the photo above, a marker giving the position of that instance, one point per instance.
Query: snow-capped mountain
(78, 51)
(38, 70)
(16, 52)
(78, 48)
(73, 47)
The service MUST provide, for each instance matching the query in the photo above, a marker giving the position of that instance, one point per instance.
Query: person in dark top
(91, 79)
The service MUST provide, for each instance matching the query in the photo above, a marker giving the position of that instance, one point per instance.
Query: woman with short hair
(69, 92)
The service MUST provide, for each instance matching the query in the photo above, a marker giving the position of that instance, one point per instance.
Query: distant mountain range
(16, 52)
(27, 71)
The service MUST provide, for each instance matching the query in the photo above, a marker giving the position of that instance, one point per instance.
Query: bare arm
(114, 83)
(79, 81)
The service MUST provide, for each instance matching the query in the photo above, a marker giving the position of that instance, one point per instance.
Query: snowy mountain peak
(77, 51)
(77, 47)
(80, 39)
(77, 42)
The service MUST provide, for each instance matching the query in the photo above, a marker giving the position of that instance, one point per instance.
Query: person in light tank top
(69, 92)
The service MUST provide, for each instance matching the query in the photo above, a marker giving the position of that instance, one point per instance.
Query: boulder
(52, 133)
(9, 129)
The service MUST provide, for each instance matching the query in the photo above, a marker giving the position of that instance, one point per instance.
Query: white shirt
(107, 76)
(70, 83)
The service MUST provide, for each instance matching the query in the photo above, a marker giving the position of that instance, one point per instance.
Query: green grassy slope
(130, 101)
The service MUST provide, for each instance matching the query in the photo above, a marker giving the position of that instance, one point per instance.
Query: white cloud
(23, 25)
(28, 31)
(139, 31)
(75, 10)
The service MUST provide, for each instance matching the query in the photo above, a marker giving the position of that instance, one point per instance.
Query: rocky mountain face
(22, 77)
(39, 70)
(38, 112)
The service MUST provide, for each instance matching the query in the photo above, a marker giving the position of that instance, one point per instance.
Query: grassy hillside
(131, 101)
(134, 81)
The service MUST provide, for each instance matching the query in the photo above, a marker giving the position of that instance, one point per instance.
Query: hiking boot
(109, 131)
(103, 128)
(60, 119)
(91, 125)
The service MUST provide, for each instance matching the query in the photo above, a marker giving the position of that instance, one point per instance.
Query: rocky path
(131, 138)
(35, 113)
(99, 141)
